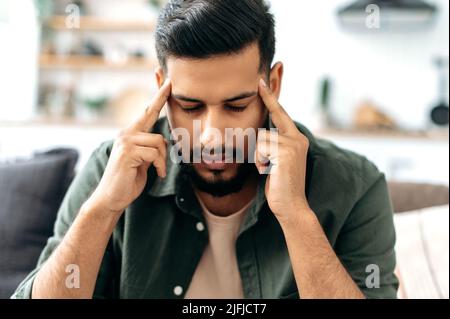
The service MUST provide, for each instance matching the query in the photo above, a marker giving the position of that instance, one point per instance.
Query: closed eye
(191, 109)
(232, 108)
(236, 108)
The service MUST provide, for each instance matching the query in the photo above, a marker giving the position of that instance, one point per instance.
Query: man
(299, 218)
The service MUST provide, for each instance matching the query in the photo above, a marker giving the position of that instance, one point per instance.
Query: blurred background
(372, 76)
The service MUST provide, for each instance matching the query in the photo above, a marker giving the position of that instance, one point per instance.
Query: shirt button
(200, 226)
(178, 290)
(182, 200)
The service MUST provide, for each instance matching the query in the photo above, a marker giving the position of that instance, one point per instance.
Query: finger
(262, 162)
(151, 114)
(152, 156)
(266, 154)
(151, 140)
(279, 116)
(267, 151)
(272, 136)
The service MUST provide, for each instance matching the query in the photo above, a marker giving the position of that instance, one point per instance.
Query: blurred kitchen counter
(411, 156)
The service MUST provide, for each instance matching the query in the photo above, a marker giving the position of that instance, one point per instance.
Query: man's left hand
(282, 155)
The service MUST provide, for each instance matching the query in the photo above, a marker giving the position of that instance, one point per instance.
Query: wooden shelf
(92, 23)
(80, 63)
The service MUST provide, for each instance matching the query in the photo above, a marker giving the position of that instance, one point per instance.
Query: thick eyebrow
(186, 99)
(241, 97)
(232, 99)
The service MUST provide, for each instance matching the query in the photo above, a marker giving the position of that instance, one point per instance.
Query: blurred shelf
(92, 23)
(432, 135)
(93, 63)
(67, 122)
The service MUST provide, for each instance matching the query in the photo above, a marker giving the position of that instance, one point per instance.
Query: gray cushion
(413, 196)
(31, 192)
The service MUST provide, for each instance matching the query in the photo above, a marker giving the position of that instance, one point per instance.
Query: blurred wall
(394, 70)
(19, 36)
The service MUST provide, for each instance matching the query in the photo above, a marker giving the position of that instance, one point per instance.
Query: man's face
(219, 92)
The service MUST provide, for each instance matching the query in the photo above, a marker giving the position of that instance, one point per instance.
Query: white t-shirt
(217, 275)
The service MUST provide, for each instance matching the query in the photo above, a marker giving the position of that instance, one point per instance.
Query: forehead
(216, 78)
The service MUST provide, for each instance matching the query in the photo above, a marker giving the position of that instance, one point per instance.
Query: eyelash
(237, 109)
(191, 110)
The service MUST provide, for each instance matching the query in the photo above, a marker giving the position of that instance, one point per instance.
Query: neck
(230, 204)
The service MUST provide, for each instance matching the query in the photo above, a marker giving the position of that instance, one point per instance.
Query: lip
(215, 163)
(216, 166)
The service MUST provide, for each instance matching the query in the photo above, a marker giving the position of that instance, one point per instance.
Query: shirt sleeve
(366, 243)
(79, 191)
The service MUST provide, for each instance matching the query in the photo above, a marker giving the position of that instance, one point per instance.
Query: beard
(217, 185)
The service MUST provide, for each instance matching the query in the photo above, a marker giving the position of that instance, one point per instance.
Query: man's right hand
(133, 152)
(124, 179)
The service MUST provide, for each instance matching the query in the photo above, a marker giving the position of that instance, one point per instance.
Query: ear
(276, 78)
(159, 76)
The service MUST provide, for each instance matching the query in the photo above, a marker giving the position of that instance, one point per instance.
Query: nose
(212, 128)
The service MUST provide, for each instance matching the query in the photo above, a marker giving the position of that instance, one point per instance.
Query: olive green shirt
(158, 242)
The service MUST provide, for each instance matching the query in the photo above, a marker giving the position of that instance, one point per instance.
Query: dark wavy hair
(204, 28)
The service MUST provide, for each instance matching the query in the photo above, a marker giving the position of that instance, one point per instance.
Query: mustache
(217, 186)
(216, 153)
(213, 153)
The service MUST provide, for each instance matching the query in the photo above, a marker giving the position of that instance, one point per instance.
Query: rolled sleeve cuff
(25, 288)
